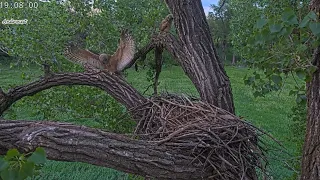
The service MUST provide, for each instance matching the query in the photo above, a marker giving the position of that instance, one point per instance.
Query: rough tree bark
(196, 54)
(66, 142)
(310, 164)
(311, 150)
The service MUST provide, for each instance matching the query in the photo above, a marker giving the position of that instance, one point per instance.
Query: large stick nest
(217, 140)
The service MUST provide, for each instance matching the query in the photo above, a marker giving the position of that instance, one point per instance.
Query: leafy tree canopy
(277, 39)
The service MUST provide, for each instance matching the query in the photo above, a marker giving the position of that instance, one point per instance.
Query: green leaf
(249, 80)
(308, 78)
(302, 47)
(315, 28)
(312, 15)
(261, 22)
(10, 174)
(38, 156)
(316, 43)
(274, 28)
(301, 74)
(276, 79)
(301, 98)
(293, 20)
(3, 164)
(304, 22)
(257, 94)
(292, 92)
(288, 16)
(312, 69)
(257, 76)
(266, 36)
(27, 170)
(286, 31)
(259, 39)
(287, 13)
(23, 75)
(12, 153)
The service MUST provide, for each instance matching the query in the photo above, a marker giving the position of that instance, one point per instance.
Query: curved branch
(113, 84)
(66, 142)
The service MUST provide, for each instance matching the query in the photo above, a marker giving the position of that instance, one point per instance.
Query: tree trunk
(67, 142)
(234, 61)
(311, 150)
(224, 49)
(200, 61)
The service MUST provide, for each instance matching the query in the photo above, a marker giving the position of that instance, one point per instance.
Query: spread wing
(125, 51)
(83, 56)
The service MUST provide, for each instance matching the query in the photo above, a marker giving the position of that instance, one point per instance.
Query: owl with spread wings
(111, 63)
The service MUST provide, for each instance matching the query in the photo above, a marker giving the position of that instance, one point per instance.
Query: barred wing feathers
(125, 51)
(83, 56)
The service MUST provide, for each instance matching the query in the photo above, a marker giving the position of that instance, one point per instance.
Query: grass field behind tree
(269, 113)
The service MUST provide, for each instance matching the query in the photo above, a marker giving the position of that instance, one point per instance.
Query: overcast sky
(206, 5)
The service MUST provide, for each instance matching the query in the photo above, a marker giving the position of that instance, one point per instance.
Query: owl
(111, 63)
(166, 23)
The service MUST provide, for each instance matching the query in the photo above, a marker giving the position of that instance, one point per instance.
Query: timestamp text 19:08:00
(18, 5)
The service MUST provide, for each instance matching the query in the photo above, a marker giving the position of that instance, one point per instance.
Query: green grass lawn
(269, 113)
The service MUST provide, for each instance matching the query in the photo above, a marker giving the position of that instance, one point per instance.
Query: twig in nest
(174, 134)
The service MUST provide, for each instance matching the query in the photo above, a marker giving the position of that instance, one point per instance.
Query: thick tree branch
(113, 84)
(66, 142)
